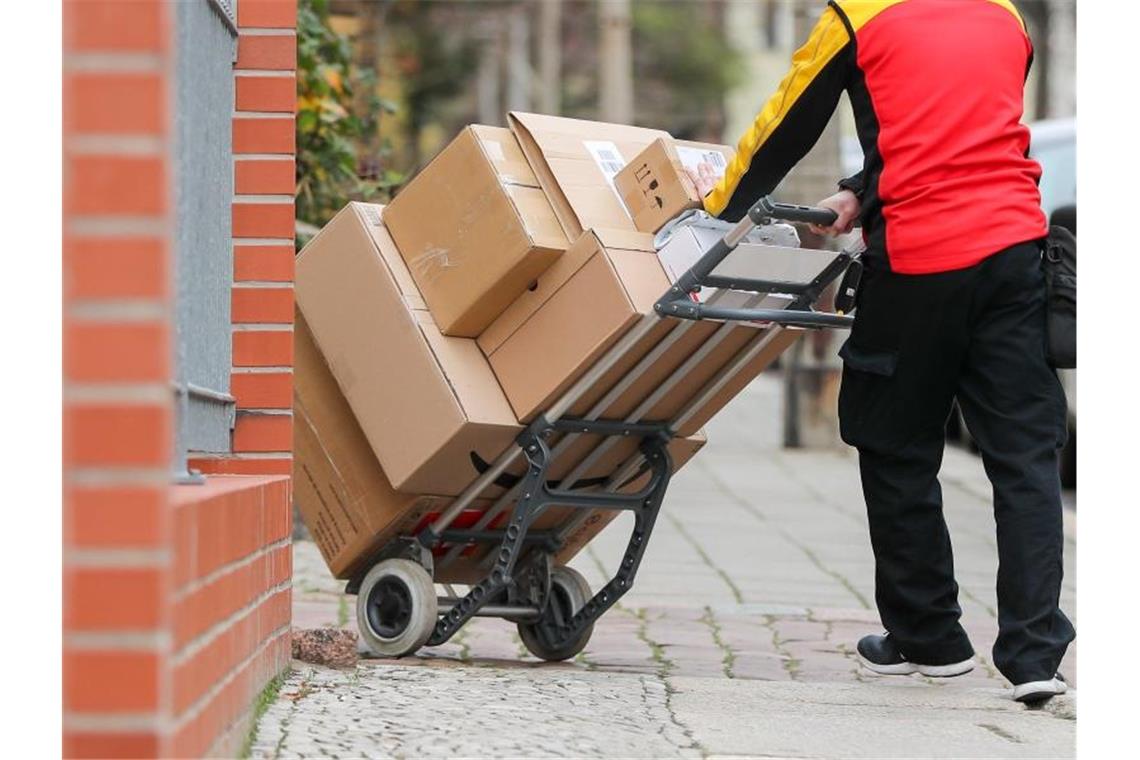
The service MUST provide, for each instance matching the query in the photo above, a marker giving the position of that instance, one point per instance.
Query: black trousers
(919, 342)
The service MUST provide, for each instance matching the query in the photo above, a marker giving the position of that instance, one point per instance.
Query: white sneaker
(880, 655)
(1038, 691)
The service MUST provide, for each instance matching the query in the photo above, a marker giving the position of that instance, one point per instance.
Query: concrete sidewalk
(737, 639)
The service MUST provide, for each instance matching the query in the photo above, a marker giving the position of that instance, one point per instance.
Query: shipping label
(691, 158)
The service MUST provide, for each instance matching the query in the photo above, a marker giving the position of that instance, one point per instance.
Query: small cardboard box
(475, 229)
(575, 161)
(655, 186)
(583, 307)
(428, 404)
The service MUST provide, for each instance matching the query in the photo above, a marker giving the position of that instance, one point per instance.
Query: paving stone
(737, 639)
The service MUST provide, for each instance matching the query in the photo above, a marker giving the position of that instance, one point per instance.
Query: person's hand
(704, 178)
(846, 207)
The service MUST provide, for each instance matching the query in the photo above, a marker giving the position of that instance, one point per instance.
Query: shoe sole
(931, 671)
(1036, 692)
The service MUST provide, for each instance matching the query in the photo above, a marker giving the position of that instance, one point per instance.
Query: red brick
(263, 432)
(267, 14)
(262, 305)
(261, 93)
(264, 263)
(117, 352)
(274, 52)
(195, 737)
(131, 185)
(116, 516)
(109, 682)
(252, 135)
(279, 514)
(115, 25)
(244, 466)
(256, 177)
(262, 390)
(277, 610)
(265, 220)
(113, 598)
(215, 660)
(114, 103)
(77, 744)
(281, 565)
(240, 516)
(114, 268)
(196, 613)
(263, 348)
(185, 541)
(137, 435)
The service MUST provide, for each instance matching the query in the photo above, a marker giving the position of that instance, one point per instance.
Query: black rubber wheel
(396, 608)
(569, 593)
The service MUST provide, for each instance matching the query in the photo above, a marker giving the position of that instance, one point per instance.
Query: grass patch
(791, 664)
(656, 650)
(264, 699)
(729, 658)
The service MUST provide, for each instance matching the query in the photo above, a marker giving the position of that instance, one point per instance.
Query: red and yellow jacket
(936, 87)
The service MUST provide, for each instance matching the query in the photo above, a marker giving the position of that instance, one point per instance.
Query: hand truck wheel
(396, 607)
(569, 593)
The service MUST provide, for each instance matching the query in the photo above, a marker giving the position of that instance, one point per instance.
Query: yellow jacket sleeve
(791, 121)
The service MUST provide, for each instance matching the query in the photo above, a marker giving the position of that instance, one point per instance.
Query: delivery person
(951, 307)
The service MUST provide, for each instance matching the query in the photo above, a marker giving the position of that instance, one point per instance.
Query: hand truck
(398, 610)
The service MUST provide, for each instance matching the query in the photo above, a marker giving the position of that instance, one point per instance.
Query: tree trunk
(518, 58)
(487, 85)
(615, 61)
(550, 56)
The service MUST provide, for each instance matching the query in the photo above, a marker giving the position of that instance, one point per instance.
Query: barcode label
(609, 160)
(691, 158)
(607, 156)
(372, 214)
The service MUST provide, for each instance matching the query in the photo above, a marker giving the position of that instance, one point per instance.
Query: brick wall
(176, 598)
(265, 87)
(231, 607)
(117, 398)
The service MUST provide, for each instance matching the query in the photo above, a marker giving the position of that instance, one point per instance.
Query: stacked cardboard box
(394, 418)
(432, 330)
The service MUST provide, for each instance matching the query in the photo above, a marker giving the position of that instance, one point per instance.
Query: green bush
(336, 106)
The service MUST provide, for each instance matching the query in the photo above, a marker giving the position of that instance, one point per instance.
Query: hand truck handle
(767, 209)
(762, 212)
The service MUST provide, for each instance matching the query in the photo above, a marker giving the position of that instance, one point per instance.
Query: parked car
(1053, 143)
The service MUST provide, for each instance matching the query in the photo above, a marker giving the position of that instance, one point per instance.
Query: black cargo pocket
(873, 361)
(865, 395)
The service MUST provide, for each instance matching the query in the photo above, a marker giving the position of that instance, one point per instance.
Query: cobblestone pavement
(737, 639)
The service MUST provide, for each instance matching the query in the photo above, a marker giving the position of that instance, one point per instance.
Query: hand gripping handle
(767, 209)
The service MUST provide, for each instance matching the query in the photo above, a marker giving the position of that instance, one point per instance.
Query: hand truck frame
(398, 610)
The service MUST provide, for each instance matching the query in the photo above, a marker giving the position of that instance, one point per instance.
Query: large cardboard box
(351, 508)
(475, 229)
(654, 185)
(428, 404)
(598, 296)
(344, 497)
(582, 307)
(575, 162)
